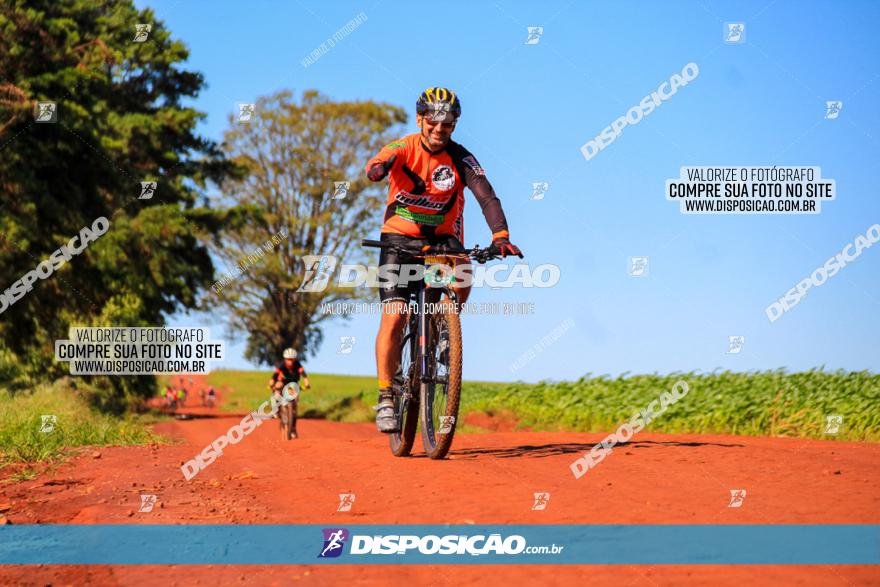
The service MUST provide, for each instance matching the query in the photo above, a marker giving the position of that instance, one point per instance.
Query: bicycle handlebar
(479, 254)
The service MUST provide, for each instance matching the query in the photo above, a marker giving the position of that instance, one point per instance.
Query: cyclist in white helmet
(290, 370)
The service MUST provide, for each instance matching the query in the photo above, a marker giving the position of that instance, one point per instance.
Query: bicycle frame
(422, 333)
(430, 386)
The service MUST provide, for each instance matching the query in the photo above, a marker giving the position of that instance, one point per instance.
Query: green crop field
(342, 398)
(769, 403)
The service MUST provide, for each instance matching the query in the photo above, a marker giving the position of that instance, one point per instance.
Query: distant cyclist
(289, 371)
(170, 397)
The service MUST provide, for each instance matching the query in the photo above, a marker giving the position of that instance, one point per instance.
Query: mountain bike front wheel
(441, 392)
(286, 417)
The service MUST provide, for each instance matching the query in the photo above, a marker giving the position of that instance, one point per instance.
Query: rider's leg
(387, 360)
(275, 397)
(395, 303)
(388, 340)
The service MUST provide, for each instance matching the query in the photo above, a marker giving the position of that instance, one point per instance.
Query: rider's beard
(432, 141)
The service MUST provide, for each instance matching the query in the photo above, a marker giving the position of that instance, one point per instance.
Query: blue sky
(527, 109)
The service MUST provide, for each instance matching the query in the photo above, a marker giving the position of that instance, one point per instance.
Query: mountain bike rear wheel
(441, 394)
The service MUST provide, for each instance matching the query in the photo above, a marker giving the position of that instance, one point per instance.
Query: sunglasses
(433, 123)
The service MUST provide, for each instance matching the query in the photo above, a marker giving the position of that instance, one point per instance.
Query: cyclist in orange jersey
(427, 173)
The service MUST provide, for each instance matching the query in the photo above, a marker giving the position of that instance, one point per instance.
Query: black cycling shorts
(387, 256)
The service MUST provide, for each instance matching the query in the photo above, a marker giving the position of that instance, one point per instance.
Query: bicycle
(286, 414)
(427, 384)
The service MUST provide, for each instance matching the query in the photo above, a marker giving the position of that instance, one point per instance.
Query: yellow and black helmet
(441, 104)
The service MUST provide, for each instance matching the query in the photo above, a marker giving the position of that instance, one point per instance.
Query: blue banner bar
(126, 544)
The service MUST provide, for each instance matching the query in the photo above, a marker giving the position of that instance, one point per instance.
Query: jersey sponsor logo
(443, 178)
(412, 200)
(471, 162)
(395, 145)
(415, 217)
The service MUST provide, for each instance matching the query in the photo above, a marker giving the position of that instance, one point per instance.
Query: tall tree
(295, 154)
(119, 122)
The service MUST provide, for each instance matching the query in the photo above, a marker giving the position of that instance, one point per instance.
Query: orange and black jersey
(285, 375)
(426, 190)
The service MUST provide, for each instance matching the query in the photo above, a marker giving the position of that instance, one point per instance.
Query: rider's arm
(305, 376)
(378, 167)
(475, 179)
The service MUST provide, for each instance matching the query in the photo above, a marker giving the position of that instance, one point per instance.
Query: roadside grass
(22, 444)
(759, 403)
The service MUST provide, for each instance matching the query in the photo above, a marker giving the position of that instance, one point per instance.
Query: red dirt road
(489, 478)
